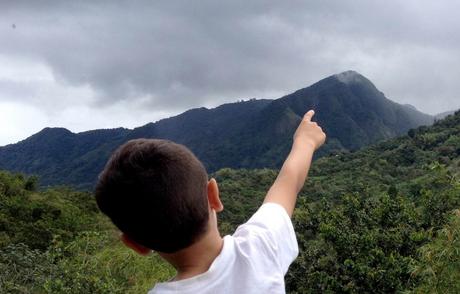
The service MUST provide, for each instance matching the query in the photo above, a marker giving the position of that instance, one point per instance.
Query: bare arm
(291, 178)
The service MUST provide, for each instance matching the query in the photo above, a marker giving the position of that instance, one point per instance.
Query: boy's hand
(308, 133)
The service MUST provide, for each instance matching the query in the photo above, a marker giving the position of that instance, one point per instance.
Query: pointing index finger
(309, 115)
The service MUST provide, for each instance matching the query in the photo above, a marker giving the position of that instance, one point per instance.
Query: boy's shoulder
(260, 250)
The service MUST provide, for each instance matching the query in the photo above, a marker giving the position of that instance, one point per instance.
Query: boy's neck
(197, 258)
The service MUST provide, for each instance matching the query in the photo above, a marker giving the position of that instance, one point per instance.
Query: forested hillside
(378, 220)
(382, 219)
(249, 134)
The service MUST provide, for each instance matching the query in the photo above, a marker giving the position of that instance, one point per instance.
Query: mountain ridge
(251, 134)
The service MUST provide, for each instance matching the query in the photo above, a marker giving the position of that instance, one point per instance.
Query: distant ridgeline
(249, 134)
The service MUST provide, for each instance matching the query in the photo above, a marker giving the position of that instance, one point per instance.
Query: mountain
(249, 134)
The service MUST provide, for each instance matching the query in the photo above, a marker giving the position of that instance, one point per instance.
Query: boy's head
(155, 192)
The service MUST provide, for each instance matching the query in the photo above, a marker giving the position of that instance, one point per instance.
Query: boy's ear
(213, 196)
(135, 246)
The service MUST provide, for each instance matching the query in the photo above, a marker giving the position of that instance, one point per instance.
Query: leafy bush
(438, 268)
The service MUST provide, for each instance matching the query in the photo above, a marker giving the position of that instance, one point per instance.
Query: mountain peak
(350, 77)
(54, 131)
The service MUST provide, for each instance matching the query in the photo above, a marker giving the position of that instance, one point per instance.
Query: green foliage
(97, 263)
(60, 211)
(376, 220)
(22, 269)
(438, 268)
(369, 241)
(31, 183)
(243, 191)
(56, 241)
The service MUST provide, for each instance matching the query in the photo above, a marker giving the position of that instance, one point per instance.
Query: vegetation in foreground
(382, 219)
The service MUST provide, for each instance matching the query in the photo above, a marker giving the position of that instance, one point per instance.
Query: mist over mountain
(248, 134)
(444, 114)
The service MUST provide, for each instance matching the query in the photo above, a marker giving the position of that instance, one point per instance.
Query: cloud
(16, 116)
(168, 56)
(22, 120)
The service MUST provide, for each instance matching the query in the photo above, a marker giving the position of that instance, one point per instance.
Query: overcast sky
(102, 64)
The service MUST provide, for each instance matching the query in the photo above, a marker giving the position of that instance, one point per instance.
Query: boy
(158, 194)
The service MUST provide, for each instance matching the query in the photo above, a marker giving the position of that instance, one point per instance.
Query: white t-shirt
(253, 260)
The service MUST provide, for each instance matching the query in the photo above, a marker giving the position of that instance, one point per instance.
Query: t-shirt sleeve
(271, 230)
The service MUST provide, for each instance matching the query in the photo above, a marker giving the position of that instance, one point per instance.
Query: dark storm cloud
(181, 54)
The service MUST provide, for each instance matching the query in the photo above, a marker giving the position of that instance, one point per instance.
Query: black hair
(155, 192)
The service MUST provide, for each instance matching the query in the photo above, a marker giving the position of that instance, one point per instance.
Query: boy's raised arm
(307, 138)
